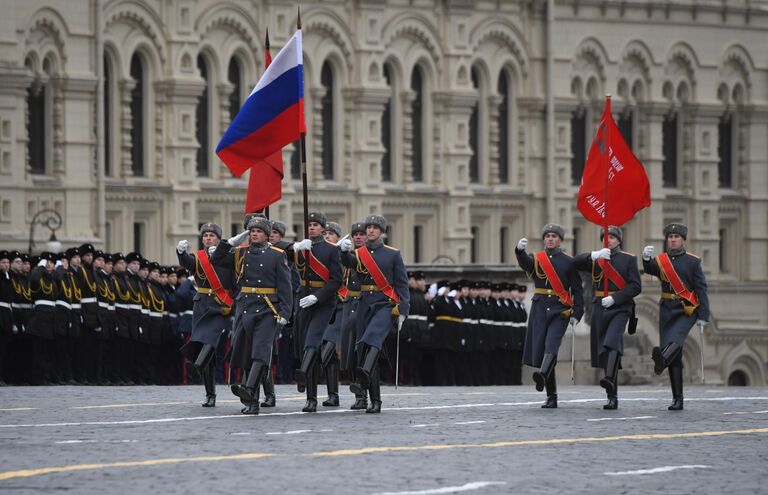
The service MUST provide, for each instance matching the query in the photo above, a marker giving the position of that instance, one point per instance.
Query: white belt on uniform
(103, 305)
(5, 305)
(418, 317)
(44, 302)
(64, 304)
(75, 306)
(155, 314)
(21, 306)
(88, 300)
(122, 306)
(188, 312)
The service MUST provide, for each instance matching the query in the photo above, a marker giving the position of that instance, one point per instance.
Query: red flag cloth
(265, 181)
(614, 185)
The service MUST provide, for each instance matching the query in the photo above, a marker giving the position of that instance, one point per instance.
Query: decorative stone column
(126, 86)
(452, 110)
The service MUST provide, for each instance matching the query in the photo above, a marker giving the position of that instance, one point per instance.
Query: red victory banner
(614, 186)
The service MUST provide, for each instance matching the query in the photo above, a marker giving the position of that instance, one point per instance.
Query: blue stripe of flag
(265, 105)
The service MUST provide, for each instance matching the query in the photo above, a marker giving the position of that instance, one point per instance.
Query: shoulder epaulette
(277, 249)
(697, 257)
(390, 247)
(630, 254)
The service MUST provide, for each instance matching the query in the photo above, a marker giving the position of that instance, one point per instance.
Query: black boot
(307, 363)
(327, 352)
(370, 362)
(354, 385)
(610, 382)
(312, 377)
(207, 353)
(269, 389)
(547, 367)
(249, 392)
(551, 386)
(332, 382)
(361, 399)
(662, 358)
(375, 390)
(676, 381)
(209, 380)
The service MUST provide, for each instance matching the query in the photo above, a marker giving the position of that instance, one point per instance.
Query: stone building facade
(432, 112)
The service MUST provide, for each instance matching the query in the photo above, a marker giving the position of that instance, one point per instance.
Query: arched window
(725, 134)
(201, 128)
(386, 131)
(503, 128)
(417, 108)
(109, 98)
(326, 79)
(669, 138)
(137, 116)
(578, 144)
(474, 133)
(234, 76)
(36, 100)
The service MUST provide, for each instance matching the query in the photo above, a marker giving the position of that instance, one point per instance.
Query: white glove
(604, 254)
(648, 253)
(400, 320)
(607, 302)
(182, 246)
(43, 263)
(442, 290)
(304, 245)
(58, 264)
(238, 239)
(307, 301)
(211, 250)
(573, 321)
(432, 291)
(522, 244)
(701, 323)
(452, 293)
(282, 321)
(345, 245)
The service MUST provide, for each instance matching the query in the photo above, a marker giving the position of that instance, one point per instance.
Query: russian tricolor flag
(272, 116)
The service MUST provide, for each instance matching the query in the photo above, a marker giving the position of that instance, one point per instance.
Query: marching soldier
(212, 306)
(348, 336)
(264, 303)
(611, 311)
(384, 301)
(558, 299)
(320, 260)
(684, 301)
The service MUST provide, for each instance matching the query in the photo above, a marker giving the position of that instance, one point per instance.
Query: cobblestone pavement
(427, 440)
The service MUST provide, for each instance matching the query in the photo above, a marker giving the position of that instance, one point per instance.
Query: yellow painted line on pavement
(27, 473)
(552, 441)
(9, 409)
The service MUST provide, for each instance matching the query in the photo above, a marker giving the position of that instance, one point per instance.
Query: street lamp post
(52, 220)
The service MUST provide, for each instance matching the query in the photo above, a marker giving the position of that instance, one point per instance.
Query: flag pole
(303, 154)
(606, 130)
(266, 48)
